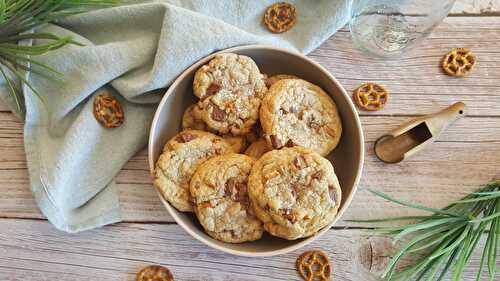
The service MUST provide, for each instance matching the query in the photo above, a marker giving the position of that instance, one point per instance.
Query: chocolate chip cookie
(294, 191)
(296, 112)
(275, 78)
(219, 192)
(180, 158)
(231, 88)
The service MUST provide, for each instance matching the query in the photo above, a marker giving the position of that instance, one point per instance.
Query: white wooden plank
(34, 250)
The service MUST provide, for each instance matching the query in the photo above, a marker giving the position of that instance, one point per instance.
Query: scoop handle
(439, 121)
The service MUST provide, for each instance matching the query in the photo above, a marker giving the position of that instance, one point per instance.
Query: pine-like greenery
(445, 240)
(17, 20)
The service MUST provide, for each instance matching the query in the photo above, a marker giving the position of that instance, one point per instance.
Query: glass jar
(387, 28)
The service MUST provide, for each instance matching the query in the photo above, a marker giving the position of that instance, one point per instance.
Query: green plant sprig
(17, 19)
(445, 240)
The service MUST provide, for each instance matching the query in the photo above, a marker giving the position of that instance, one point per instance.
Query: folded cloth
(133, 52)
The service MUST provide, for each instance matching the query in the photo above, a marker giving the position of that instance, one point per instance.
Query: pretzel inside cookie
(370, 96)
(314, 265)
(458, 62)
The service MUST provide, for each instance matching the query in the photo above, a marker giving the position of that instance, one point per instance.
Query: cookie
(314, 265)
(275, 78)
(190, 120)
(231, 88)
(458, 62)
(294, 192)
(108, 111)
(238, 143)
(180, 158)
(219, 191)
(258, 148)
(280, 17)
(154, 273)
(296, 112)
(371, 96)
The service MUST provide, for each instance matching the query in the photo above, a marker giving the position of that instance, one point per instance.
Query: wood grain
(33, 250)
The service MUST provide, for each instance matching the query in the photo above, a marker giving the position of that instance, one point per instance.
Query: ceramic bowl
(347, 158)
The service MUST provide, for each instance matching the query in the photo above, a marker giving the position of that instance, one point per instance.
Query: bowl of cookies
(256, 150)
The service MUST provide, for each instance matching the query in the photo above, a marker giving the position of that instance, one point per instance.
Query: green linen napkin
(135, 51)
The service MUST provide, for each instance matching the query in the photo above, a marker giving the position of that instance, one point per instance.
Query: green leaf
(412, 205)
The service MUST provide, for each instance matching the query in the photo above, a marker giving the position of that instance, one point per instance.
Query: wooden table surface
(467, 156)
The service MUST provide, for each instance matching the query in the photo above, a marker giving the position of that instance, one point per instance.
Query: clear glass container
(387, 28)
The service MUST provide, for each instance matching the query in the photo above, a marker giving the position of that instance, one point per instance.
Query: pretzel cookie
(181, 156)
(314, 265)
(458, 62)
(231, 88)
(370, 96)
(294, 192)
(280, 17)
(154, 273)
(296, 112)
(219, 191)
(108, 111)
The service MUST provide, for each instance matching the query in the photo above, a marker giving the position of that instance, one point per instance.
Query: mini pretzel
(154, 273)
(458, 62)
(108, 111)
(370, 96)
(280, 17)
(314, 265)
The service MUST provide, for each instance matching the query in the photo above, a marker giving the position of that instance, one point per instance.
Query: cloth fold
(132, 52)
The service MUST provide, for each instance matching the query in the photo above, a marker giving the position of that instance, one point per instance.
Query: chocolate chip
(185, 137)
(212, 89)
(218, 114)
(318, 175)
(314, 126)
(274, 141)
(236, 191)
(290, 143)
(288, 214)
(295, 190)
(229, 187)
(299, 162)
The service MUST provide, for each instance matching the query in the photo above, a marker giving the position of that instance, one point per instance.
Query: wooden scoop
(413, 136)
